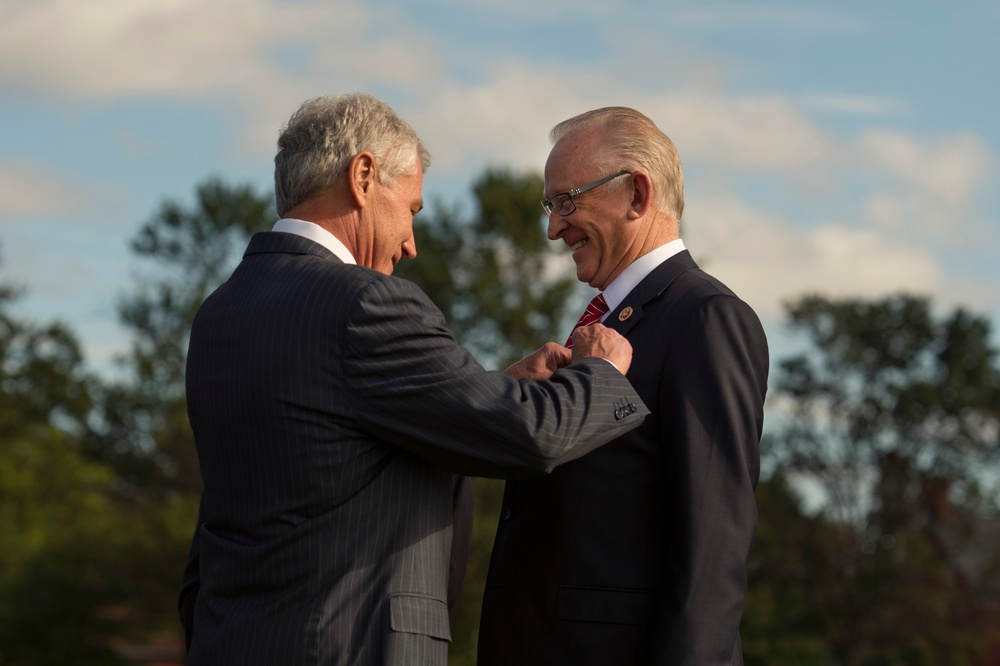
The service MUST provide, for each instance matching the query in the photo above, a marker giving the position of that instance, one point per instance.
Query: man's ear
(642, 195)
(362, 176)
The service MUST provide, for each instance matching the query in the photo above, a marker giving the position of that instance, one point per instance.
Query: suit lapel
(630, 311)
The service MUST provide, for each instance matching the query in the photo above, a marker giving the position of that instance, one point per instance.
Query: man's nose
(410, 248)
(557, 225)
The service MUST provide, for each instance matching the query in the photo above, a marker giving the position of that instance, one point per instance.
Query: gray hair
(631, 140)
(325, 133)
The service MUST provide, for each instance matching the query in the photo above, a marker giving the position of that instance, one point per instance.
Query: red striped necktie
(595, 309)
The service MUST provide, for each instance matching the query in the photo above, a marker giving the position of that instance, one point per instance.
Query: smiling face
(390, 220)
(603, 232)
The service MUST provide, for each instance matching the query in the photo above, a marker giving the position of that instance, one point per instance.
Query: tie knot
(597, 305)
(595, 309)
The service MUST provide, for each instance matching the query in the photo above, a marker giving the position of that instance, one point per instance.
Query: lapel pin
(624, 314)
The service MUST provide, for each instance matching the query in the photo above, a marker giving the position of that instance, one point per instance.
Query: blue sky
(847, 148)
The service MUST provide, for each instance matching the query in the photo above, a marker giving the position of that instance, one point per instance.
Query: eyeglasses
(563, 203)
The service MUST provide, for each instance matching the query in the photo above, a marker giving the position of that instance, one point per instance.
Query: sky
(848, 149)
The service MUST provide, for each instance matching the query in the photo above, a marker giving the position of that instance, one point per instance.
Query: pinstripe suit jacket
(331, 410)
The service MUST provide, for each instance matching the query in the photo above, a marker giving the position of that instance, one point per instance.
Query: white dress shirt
(636, 272)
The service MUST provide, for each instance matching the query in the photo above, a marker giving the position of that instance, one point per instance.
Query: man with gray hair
(334, 415)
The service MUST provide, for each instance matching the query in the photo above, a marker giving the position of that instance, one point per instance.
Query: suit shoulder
(381, 286)
(697, 291)
(704, 284)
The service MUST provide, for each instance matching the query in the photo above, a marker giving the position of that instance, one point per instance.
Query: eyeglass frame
(549, 208)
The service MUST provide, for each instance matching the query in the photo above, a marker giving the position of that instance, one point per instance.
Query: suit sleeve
(711, 405)
(413, 385)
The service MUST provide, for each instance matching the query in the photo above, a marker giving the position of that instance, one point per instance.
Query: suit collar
(630, 310)
(277, 242)
(315, 232)
(637, 271)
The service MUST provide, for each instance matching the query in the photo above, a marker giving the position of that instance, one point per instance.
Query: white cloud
(103, 49)
(30, 189)
(507, 119)
(767, 260)
(232, 50)
(856, 105)
(752, 133)
(949, 169)
(929, 188)
(504, 122)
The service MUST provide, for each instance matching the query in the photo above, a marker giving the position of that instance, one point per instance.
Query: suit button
(505, 514)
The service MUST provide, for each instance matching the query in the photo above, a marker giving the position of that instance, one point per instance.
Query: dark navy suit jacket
(332, 410)
(637, 552)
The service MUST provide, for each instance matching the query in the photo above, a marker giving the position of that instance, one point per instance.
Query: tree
(54, 503)
(782, 625)
(892, 415)
(41, 374)
(505, 291)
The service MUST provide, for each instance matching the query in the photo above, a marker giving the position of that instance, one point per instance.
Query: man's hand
(600, 341)
(541, 363)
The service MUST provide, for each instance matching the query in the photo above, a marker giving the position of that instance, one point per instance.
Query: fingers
(600, 341)
(541, 363)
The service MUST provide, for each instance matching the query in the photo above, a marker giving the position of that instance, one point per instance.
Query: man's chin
(583, 274)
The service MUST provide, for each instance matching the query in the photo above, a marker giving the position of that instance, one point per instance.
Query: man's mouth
(580, 243)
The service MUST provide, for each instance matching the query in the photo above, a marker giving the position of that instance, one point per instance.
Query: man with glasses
(637, 552)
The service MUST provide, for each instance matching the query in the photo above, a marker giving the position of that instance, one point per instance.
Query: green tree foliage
(55, 511)
(505, 290)
(80, 569)
(40, 374)
(893, 415)
(58, 590)
(782, 625)
(894, 398)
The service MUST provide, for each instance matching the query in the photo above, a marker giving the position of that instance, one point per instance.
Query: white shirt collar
(316, 233)
(637, 271)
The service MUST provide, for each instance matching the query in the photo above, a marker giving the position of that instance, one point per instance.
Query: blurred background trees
(890, 422)
(879, 536)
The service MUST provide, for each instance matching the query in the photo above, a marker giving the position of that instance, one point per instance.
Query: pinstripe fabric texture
(332, 410)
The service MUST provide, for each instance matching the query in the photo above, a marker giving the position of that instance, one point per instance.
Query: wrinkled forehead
(571, 163)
